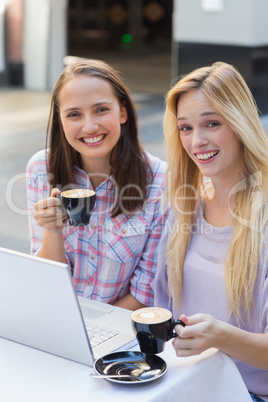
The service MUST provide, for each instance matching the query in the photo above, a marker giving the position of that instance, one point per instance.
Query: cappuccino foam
(78, 193)
(151, 315)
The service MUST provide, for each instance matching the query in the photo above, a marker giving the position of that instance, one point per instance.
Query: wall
(44, 42)
(14, 30)
(14, 41)
(241, 23)
(2, 37)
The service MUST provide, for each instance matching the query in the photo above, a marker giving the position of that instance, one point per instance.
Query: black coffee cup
(153, 327)
(78, 204)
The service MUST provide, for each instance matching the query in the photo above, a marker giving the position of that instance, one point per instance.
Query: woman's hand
(203, 332)
(200, 333)
(48, 215)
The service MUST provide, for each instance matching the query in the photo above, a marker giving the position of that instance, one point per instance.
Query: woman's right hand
(48, 215)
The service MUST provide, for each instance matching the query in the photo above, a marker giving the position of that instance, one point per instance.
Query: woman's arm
(129, 302)
(203, 332)
(53, 247)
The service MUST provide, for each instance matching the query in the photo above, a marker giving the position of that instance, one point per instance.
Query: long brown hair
(129, 167)
(222, 84)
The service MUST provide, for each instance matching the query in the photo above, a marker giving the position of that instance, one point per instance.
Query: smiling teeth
(94, 139)
(206, 156)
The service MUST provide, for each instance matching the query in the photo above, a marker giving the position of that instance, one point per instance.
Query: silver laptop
(39, 308)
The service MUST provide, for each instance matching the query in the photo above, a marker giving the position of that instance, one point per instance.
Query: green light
(126, 38)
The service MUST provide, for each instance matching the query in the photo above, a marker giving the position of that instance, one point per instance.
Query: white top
(203, 287)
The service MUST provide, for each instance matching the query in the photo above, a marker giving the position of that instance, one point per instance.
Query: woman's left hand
(200, 333)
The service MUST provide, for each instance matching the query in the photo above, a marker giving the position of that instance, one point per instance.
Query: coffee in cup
(153, 327)
(78, 204)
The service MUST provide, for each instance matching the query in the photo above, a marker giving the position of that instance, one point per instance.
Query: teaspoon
(145, 375)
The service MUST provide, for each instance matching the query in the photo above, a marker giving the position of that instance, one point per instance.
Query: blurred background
(150, 42)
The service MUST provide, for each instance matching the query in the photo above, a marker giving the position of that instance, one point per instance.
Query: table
(29, 375)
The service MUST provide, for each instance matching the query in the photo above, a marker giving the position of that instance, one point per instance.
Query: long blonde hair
(229, 94)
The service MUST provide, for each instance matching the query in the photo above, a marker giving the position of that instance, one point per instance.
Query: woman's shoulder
(157, 165)
(39, 159)
(265, 233)
(155, 160)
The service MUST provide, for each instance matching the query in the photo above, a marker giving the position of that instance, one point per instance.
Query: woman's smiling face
(207, 138)
(91, 116)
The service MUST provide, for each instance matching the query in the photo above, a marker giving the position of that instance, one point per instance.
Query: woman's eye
(185, 128)
(102, 109)
(213, 124)
(73, 114)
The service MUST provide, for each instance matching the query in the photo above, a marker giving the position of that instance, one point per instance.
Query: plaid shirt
(110, 257)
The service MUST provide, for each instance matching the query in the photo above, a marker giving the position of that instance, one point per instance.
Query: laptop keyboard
(98, 335)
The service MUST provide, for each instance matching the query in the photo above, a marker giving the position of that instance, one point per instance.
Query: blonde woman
(213, 261)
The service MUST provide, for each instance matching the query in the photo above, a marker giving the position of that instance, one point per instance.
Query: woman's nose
(199, 138)
(89, 125)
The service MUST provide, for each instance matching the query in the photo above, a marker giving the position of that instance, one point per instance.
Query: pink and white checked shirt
(111, 256)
